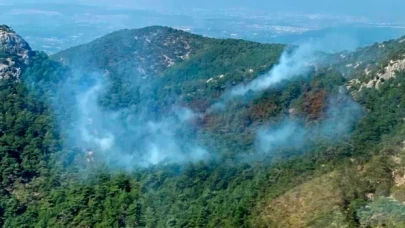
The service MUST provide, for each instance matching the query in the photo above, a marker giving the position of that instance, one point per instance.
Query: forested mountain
(157, 127)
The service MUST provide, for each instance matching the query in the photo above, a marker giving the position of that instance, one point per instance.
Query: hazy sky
(357, 7)
(377, 9)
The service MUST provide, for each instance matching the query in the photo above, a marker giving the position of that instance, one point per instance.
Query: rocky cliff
(14, 53)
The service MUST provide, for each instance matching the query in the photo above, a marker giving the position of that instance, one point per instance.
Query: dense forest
(318, 176)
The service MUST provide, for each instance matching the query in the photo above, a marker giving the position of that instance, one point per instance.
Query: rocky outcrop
(392, 68)
(387, 73)
(14, 53)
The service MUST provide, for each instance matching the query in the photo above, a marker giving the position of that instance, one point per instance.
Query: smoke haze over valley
(202, 114)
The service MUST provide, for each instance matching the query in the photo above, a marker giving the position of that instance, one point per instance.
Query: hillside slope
(143, 52)
(75, 157)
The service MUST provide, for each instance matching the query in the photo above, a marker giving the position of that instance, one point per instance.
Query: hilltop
(14, 53)
(146, 52)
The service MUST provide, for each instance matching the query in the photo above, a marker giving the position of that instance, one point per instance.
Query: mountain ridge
(164, 38)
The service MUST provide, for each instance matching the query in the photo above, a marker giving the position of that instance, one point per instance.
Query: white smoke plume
(125, 140)
(291, 133)
(89, 113)
(291, 64)
(288, 133)
(297, 62)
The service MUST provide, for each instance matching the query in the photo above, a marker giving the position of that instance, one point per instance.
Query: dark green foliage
(27, 139)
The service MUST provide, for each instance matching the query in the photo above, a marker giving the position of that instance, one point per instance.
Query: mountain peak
(14, 53)
(6, 29)
(11, 42)
(145, 52)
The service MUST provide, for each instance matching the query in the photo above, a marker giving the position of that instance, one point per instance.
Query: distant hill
(148, 51)
(344, 37)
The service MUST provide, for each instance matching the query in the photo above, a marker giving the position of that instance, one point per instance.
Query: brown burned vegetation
(314, 104)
